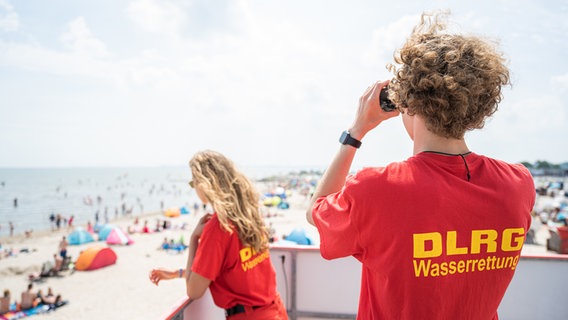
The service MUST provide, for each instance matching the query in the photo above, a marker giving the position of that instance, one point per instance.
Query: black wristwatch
(346, 138)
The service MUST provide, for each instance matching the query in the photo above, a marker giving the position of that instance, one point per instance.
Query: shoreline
(19, 237)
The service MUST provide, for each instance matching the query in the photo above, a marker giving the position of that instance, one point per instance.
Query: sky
(267, 83)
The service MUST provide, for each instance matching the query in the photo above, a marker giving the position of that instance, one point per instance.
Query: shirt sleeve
(210, 253)
(336, 225)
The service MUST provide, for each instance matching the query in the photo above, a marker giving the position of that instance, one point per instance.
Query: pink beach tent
(95, 257)
(117, 236)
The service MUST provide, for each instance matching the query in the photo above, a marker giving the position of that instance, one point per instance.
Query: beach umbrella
(105, 230)
(79, 236)
(117, 236)
(95, 257)
(172, 212)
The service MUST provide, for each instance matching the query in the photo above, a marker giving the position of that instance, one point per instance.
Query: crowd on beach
(549, 223)
(60, 264)
(31, 298)
(552, 201)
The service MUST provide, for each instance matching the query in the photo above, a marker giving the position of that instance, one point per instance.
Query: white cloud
(82, 59)
(162, 17)
(9, 20)
(189, 74)
(80, 40)
(389, 38)
(561, 81)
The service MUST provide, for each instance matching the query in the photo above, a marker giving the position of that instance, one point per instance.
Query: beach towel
(41, 308)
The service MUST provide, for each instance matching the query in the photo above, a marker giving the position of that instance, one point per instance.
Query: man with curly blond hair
(439, 235)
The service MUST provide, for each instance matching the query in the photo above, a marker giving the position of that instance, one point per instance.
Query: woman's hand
(200, 225)
(370, 114)
(162, 274)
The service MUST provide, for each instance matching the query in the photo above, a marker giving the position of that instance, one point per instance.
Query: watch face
(347, 139)
(343, 138)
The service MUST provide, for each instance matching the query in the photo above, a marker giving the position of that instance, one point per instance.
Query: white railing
(315, 288)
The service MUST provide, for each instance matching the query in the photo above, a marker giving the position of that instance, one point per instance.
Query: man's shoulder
(517, 169)
(382, 172)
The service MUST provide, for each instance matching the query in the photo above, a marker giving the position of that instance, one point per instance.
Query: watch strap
(346, 138)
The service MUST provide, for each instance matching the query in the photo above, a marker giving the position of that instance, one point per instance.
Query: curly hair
(452, 81)
(232, 196)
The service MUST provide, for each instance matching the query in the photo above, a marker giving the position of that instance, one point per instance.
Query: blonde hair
(452, 81)
(232, 195)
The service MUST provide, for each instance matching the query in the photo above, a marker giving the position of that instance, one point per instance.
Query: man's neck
(442, 145)
(425, 140)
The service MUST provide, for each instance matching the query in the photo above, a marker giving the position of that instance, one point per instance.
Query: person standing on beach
(52, 221)
(439, 235)
(58, 221)
(5, 302)
(63, 247)
(70, 222)
(228, 250)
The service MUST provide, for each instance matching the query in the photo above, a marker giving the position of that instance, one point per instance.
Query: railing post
(293, 315)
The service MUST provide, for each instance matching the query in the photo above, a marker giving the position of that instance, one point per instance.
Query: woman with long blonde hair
(228, 250)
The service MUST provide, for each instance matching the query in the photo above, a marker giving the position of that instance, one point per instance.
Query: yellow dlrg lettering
(246, 253)
(513, 243)
(432, 244)
(451, 244)
(420, 240)
(487, 237)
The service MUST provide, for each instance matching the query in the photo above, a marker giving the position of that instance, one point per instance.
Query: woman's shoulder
(214, 224)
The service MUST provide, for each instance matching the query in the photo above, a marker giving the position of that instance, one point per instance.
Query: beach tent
(283, 205)
(172, 212)
(97, 227)
(184, 210)
(105, 231)
(95, 257)
(299, 236)
(79, 236)
(271, 200)
(117, 236)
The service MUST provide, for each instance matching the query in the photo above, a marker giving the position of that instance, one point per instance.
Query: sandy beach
(122, 290)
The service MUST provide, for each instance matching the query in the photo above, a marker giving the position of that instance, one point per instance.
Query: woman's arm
(195, 283)
(158, 274)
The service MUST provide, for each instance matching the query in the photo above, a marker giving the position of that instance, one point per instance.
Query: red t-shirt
(238, 274)
(433, 245)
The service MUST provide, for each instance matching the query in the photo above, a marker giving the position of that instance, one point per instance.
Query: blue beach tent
(79, 236)
(105, 230)
(299, 236)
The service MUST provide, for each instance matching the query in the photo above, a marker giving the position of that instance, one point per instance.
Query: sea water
(28, 196)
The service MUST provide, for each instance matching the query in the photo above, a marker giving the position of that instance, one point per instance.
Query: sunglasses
(191, 184)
